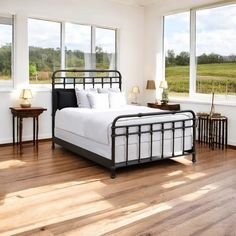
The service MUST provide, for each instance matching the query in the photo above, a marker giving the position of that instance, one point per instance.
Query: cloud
(105, 38)
(78, 37)
(5, 34)
(216, 31)
(45, 34)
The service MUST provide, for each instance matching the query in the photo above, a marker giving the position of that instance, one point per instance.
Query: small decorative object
(151, 85)
(135, 91)
(212, 112)
(164, 86)
(25, 95)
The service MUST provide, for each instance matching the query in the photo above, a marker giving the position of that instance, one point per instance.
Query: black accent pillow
(66, 99)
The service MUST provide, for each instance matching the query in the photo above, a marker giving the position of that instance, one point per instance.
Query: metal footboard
(127, 133)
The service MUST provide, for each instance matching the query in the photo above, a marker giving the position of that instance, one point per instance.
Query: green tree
(170, 58)
(182, 59)
(32, 70)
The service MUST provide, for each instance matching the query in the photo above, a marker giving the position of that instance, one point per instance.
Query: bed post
(53, 111)
(113, 146)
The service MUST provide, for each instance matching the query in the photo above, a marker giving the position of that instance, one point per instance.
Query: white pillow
(98, 100)
(117, 100)
(82, 99)
(108, 90)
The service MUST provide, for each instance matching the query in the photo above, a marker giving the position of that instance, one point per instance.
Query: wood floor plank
(59, 193)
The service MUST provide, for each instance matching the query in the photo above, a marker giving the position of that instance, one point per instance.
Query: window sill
(207, 101)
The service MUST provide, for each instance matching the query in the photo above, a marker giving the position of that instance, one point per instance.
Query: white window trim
(193, 95)
(8, 85)
(46, 87)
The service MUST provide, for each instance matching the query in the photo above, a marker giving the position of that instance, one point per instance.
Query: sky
(46, 34)
(5, 34)
(216, 31)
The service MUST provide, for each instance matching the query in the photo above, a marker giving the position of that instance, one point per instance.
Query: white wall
(153, 57)
(129, 20)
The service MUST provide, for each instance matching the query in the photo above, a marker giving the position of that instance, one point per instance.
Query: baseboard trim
(231, 147)
(50, 139)
(28, 141)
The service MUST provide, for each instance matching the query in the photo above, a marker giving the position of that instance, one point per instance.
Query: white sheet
(96, 124)
(120, 150)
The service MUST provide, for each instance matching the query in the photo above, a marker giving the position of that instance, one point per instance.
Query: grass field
(218, 77)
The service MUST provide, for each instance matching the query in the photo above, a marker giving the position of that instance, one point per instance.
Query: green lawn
(218, 77)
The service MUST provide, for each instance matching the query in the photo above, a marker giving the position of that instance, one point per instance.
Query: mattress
(91, 130)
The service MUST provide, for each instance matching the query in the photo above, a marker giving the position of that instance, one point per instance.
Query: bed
(116, 137)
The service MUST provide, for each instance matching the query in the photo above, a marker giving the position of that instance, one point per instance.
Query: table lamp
(135, 91)
(151, 85)
(164, 86)
(25, 95)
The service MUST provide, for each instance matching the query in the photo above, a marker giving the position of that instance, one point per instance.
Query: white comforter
(96, 124)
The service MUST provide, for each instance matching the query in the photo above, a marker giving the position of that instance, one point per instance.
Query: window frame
(63, 43)
(193, 57)
(5, 85)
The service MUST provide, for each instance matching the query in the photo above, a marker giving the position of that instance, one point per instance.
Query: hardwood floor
(58, 193)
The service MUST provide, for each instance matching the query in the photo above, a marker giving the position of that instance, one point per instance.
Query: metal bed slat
(183, 136)
(151, 143)
(127, 144)
(220, 133)
(139, 143)
(93, 82)
(84, 81)
(223, 135)
(64, 83)
(173, 143)
(162, 141)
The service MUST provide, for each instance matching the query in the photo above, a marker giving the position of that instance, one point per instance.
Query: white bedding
(120, 150)
(96, 124)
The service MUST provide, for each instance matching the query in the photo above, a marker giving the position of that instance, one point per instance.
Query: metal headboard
(68, 80)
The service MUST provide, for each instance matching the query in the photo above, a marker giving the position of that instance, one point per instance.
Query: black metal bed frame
(94, 77)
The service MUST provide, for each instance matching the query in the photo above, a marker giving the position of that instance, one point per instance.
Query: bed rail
(127, 133)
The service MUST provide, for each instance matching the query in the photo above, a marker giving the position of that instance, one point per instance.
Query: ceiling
(137, 2)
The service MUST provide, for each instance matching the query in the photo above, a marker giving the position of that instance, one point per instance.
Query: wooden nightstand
(20, 113)
(168, 106)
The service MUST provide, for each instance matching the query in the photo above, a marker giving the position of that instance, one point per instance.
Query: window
(200, 52)
(177, 48)
(105, 48)
(77, 46)
(62, 45)
(6, 49)
(44, 50)
(215, 50)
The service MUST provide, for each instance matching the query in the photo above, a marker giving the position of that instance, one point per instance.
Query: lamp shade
(164, 84)
(151, 85)
(135, 89)
(26, 94)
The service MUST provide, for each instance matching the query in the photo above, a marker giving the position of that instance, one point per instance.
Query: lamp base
(164, 102)
(25, 105)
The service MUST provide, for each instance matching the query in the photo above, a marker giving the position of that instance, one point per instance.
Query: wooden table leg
(17, 131)
(21, 131)
(34, 131)
(13, 129)
(37, 131)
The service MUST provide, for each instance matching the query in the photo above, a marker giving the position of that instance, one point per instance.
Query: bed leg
(53, 145)
(113, 172)
(194, 157)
